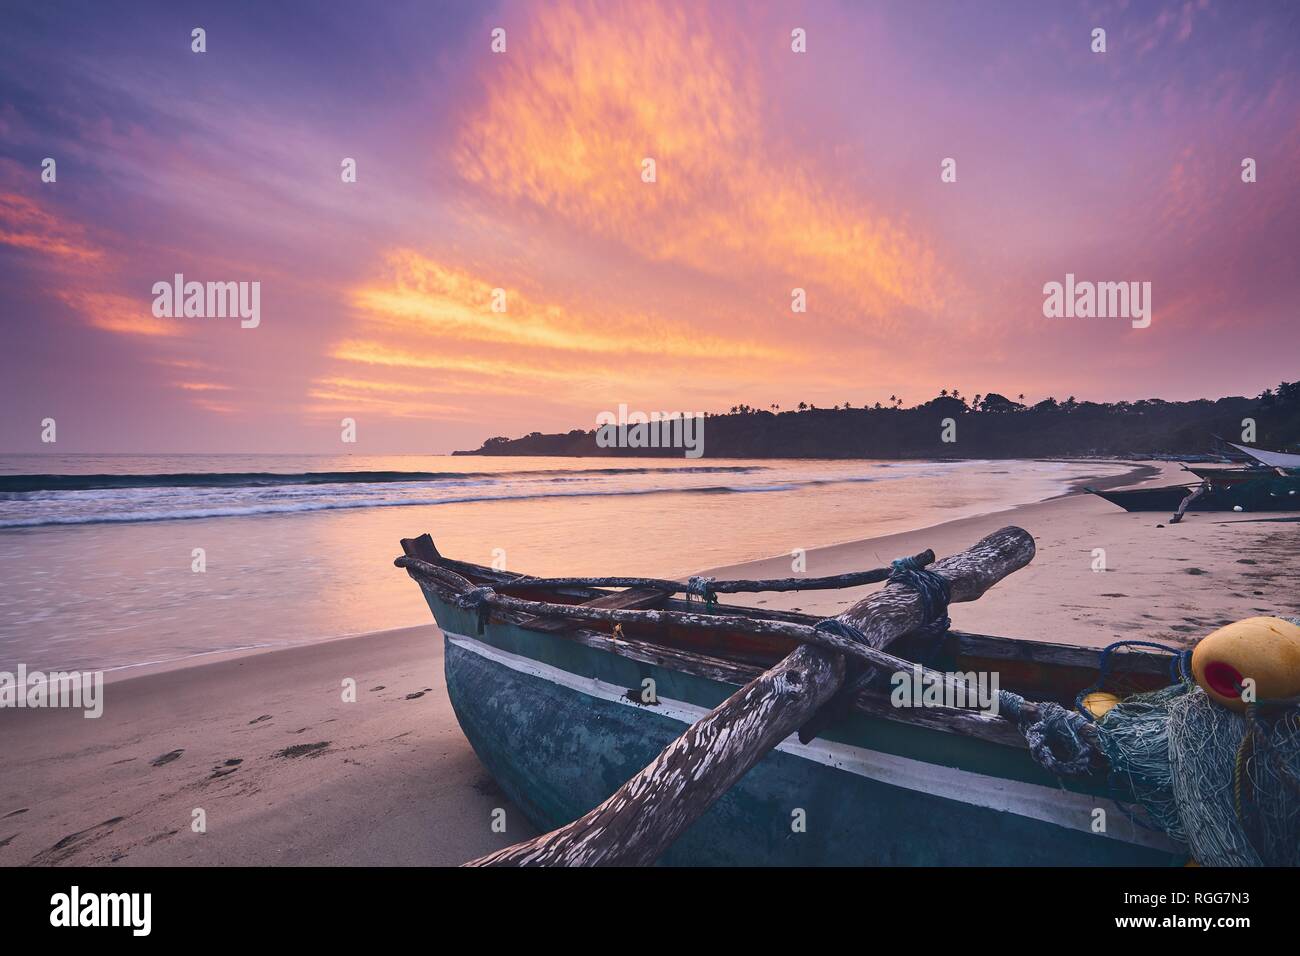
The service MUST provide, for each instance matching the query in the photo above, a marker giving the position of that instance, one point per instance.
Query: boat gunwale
(970, 643)
(870, 702)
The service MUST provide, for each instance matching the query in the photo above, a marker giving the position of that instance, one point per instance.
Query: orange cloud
(420, 296)
(341, 393)
(26, 225)
(566, 124)
(217, 408)
(119, 313)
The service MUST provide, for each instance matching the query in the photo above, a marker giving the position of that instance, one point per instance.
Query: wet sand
(288, 773)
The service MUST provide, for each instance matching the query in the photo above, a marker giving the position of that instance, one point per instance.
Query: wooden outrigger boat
(1230, 476)
(1269, 492)
(567, 690)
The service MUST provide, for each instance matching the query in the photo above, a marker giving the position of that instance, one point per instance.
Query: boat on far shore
(1269, 482)
(1267, 493)
(1231, 476)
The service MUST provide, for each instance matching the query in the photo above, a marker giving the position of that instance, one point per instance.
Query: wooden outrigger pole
(642, 818)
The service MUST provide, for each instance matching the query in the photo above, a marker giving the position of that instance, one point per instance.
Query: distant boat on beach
(1257, 494)
(1272, 483)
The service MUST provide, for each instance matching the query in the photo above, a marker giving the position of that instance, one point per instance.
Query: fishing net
(1225, 784)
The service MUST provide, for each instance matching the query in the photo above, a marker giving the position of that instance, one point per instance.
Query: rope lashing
(701, 587)
(1179, 669)
(477, 599)
(1052, 733)
(833, 625)
(934, 589)
(856, 677)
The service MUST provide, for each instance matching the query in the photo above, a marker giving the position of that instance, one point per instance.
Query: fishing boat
(567, 690)
(1231, 476)
(1270, 492)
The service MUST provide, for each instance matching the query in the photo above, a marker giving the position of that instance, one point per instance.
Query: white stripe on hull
(1061, 807)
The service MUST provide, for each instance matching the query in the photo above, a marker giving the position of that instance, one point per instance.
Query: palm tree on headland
(803, 406)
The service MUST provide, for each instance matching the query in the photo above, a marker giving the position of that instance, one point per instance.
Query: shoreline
(212, 640)
(1139, 474)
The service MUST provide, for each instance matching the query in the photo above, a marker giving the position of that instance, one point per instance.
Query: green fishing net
(1225, 784)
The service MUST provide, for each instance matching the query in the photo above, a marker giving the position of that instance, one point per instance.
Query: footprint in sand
(258, 720)
(418, 694)
(303, 750)
(74, 841)
(166, 758)
(224, 769)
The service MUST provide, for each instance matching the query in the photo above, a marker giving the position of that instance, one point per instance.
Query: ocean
(98, 553)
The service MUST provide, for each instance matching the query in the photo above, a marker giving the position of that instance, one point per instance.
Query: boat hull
(560, 726)
(1260, 494)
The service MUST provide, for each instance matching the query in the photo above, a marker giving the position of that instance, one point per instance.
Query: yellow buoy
(1263, 649)
(1099, 703)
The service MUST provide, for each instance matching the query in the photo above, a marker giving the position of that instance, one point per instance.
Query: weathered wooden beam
(848, 579)
(631, 599)
(643, 817)
(894, 611)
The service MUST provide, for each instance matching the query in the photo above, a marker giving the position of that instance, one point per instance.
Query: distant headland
(952, 426)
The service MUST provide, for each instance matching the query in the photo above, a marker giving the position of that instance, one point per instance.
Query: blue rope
(934, 589)
(1179, 669)
(1052, 735)
(833, 625)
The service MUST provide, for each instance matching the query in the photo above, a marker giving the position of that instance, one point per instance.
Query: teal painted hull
(551, 720)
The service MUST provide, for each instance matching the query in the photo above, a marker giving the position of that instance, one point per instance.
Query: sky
(524, 171)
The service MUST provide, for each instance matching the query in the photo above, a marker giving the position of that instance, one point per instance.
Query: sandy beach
(287, 772)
